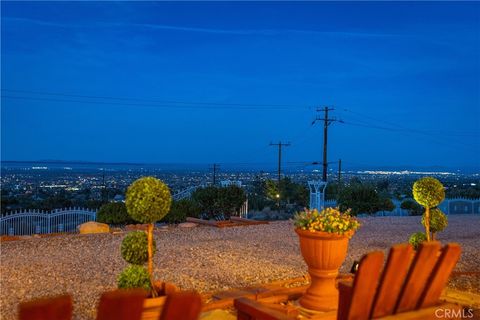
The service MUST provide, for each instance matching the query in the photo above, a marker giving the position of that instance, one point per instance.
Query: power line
(148, 100)
(156, 103)
(432, 137)
(420, 131)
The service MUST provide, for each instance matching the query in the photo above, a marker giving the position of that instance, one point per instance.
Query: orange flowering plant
(330, 220)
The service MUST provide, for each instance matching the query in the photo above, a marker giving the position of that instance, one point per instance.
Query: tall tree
(362, 198)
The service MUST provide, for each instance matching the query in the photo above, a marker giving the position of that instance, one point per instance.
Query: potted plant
(324, 240)
(148, 200)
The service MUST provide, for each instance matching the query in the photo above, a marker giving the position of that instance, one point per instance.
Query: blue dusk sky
(204, 82)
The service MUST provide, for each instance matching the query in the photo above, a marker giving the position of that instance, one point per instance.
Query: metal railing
(29, 222)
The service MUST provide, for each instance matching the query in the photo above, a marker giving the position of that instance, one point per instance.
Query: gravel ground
(202, 258)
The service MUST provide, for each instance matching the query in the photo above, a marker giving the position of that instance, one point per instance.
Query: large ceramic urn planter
(324, 254)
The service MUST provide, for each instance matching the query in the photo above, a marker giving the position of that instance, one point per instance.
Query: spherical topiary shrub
(438, 221)
(135, 247)
(134, 276)
(416, 239)
(148, 200)
(429, 192)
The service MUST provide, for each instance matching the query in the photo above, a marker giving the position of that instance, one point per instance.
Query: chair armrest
(345, 289)
(250, 309)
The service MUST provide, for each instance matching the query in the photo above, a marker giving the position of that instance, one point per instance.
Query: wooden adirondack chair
(56, 308)
(408, 288)
(121, 304)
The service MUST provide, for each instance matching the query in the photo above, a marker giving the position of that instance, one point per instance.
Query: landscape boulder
(93, 227)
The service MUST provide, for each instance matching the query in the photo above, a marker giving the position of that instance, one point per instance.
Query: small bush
(114, 213)
(134, 276)
(416, 239)
(182, 209)
(413, 208)
(135, 247)
(438, 220)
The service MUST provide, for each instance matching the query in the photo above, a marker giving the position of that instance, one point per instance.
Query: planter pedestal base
(322, 295)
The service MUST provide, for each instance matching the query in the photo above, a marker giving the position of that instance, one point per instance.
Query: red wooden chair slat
(420, 271)
(121, 304)
(55, 308)
(363, 289)
(443, 311)
(438, 280)
(391, 282)
(183, 305)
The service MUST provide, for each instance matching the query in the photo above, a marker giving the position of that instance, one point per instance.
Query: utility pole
(215, 167)
(326, 122)
(339, 171)
(104, 186)
(280, 145)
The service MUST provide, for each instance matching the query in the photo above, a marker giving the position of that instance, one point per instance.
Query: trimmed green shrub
(180, 210)
(135, 247)
(148, 200)
(429, 192)
(416, 239)
(134, 276)
(438, 221)
(114, 213)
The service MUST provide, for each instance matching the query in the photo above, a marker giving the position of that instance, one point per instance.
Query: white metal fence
(29, 222)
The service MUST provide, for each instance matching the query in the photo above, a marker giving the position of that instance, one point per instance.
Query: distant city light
(406, 172)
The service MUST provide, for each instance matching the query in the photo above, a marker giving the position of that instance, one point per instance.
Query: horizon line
(232, 164)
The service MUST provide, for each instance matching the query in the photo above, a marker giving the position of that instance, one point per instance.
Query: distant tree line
(209, 203)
